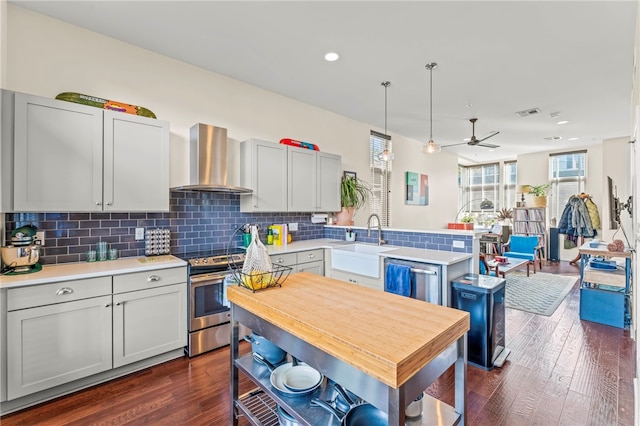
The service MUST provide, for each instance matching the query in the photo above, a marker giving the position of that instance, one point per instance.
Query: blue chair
(524, 247)
(484, 267)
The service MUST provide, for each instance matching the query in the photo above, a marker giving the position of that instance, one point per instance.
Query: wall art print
(417, 189)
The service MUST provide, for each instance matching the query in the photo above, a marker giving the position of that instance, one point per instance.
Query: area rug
(539, 293)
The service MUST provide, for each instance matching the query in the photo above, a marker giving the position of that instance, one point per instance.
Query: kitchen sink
(362, 259)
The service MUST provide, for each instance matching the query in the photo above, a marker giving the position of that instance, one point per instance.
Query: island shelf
(385, 348)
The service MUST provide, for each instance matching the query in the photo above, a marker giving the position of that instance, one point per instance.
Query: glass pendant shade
(431, 147)
(385, 156)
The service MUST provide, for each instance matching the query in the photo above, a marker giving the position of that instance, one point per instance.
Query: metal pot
(414, 409)
(358, 415)
(264, 347)
(284, 418)
(344, 398)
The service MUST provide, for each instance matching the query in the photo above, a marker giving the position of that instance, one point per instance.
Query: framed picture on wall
(348, 174)
(417, 189)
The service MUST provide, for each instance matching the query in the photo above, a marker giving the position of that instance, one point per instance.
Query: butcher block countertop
(386, 336)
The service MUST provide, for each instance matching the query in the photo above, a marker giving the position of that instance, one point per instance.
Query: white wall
(616, 163)
(182, 94)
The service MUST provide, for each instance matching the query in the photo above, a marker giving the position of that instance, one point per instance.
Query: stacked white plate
(296, 380)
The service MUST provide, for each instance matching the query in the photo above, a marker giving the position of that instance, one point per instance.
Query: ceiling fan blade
(455, 144)
(487, 145)
(490, 135)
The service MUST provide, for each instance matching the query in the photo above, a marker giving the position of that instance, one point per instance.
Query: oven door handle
(200, 280)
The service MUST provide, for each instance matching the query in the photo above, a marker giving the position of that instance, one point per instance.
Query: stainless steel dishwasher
(425, 279)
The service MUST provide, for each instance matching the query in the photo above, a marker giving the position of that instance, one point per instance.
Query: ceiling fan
(475, 141)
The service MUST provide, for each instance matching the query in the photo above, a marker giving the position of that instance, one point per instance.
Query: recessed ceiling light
(331, 56)
(562, 122)
(573, 139)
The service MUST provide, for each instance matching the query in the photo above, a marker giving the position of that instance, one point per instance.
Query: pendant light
(385, 155)
(431, 146)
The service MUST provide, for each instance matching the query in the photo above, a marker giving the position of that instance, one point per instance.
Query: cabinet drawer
(287, 259)
(148, 279)
(64, 291)
(376, 284)
(309, 256)
(316, 267)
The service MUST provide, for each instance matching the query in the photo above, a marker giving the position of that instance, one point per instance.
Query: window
(568, 176)
(510, 196)
(380, 177)
(478, 183)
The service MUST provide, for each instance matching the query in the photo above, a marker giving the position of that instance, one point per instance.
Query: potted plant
(354, 193)
(539, 193)
(505, 215)
(468, 221)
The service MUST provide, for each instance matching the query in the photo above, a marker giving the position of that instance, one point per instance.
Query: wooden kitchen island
(385, 348)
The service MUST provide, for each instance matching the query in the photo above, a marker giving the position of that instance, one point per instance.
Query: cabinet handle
(110, 203)
(153, 278)
(107, 305)
(311, 256)
(279, 260)
(119, 303)
(64, 290)
(98, 203)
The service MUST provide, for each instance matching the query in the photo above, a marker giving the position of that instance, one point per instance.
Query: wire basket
(256, 280)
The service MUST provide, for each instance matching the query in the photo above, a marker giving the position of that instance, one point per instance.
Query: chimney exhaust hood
(208, 161)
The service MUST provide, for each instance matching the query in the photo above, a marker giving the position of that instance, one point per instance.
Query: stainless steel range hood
(208, 161)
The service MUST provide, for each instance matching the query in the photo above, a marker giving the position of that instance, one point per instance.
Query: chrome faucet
(380, 240)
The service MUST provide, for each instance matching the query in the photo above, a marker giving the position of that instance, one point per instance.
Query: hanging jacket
(575, 220)
(563, 224)
(593, 212)
(580, 219)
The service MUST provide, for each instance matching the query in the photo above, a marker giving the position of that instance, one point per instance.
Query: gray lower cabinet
(302, 261)
(61, 332)
(54, 336)
(148, 323)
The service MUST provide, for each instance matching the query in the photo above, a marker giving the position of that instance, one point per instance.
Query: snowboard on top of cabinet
(94, 101)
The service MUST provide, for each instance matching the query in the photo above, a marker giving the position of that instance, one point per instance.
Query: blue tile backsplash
(197, 221)
(425, 240)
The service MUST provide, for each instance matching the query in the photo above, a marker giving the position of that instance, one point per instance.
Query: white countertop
(398, 252)
(83, 270)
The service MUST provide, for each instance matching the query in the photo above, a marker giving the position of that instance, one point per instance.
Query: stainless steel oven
(208, 310)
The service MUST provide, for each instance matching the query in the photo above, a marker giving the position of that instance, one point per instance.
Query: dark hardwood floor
(561, 371)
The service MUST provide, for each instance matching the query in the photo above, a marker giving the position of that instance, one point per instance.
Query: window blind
(480, 182)
(380, 177)
(510, 196)
(568, 176)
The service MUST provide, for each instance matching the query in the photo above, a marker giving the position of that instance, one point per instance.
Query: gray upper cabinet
(329, 171)
(286, 178)
(301, 180)
(313, 181)
(264, 169)
(73, 157)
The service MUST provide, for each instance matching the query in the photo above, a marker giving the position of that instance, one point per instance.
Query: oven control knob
(205, 260)
(194, 261)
